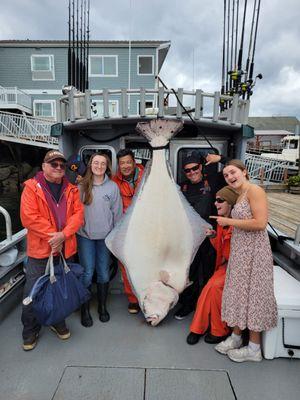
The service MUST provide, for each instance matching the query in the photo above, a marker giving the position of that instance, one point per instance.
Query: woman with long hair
(248, 297)
(102, 210)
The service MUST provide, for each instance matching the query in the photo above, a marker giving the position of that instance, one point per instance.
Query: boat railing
(76, 105)
(26, 129)
(6, 215)
(13, 96)
(266, 169)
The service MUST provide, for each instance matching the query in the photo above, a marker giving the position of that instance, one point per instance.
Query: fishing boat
(126, 358)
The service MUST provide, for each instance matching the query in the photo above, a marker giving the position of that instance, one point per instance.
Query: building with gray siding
(33, 73)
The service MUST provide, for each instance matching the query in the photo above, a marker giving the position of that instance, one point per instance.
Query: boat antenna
(259, 76)
(69, 45)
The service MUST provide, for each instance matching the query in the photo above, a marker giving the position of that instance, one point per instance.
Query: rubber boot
(102, 291)
(86, 319)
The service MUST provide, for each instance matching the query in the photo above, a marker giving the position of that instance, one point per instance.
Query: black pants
(35, 268)
(201, 270)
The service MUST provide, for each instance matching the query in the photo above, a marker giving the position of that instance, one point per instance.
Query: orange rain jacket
(39, 221)
(126, 190)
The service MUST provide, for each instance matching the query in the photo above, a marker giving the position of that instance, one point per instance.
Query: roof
(284, 123)
(92, 43)
(271, 132)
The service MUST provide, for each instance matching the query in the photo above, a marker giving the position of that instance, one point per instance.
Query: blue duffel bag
(57, 293)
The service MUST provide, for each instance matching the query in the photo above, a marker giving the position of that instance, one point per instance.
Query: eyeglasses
(56, 165)
(219, 200)
(188, 170)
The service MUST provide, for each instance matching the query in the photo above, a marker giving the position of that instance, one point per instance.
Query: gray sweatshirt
(104, 212)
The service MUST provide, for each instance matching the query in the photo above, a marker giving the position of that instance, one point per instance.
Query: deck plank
(284, 212)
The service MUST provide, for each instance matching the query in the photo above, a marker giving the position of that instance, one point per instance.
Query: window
(145, 65)
(103, 66)
(97, 108)
(44, 108)
(148, 104)
(200, 152)
(42, 67)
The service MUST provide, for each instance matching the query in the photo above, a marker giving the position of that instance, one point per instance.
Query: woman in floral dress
(248, 296)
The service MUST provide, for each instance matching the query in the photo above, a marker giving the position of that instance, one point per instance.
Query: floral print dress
(248, 297)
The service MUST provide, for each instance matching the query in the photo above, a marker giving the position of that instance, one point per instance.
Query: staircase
(26, 130)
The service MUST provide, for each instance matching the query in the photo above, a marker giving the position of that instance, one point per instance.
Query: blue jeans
(93, 254)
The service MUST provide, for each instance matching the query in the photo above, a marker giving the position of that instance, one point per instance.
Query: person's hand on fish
(212, 159)
(222, 221)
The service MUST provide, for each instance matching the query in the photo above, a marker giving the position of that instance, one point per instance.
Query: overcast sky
(194, 28)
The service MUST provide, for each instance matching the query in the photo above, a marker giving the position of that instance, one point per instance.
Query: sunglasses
(220, 201)
(56, 165)
(187, 170)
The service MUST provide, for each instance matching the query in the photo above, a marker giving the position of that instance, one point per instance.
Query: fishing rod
(73, 45)
(84, 48)
(245, 84)
(222, 103)
(236, 32)
(259, 76)
(87, 45)
(231, 50)
(227, 53)
(69, 45)
(81, 49)
(77, 46)
(236, 75)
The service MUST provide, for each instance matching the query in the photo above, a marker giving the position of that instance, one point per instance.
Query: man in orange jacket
(128, 177)
(208, 310)
(52, 212)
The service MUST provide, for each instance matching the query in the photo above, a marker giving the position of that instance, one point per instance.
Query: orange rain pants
(208, 311)
(127, 287)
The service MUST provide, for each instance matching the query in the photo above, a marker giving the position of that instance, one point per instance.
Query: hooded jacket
(37, 217)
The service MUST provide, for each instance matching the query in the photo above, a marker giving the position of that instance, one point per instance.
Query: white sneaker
(244, 354)
(228, 344)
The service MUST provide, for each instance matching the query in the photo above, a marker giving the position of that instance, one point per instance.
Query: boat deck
(126, 359)
(284, 212)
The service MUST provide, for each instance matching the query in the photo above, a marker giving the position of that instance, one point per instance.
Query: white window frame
(109, 101)
(102, 56)
(53, 108)
(51, 61)
(138, 64)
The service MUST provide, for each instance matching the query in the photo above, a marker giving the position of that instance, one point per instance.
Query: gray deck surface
(141, 362)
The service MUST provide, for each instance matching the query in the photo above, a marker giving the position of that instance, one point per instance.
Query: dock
(284, 212)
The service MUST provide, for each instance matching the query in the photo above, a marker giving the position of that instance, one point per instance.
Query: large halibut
(160, 233)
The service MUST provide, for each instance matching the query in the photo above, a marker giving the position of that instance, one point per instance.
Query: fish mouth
(153, 319)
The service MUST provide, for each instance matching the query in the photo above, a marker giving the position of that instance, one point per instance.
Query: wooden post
(285, 175)
(261, 175)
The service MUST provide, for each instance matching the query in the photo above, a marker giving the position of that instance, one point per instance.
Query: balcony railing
(75, 105)
(12, 96)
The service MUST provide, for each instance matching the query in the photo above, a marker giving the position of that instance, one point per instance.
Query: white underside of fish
(157, 240)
